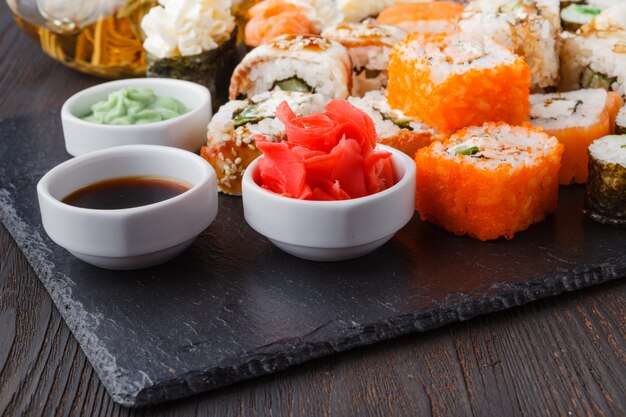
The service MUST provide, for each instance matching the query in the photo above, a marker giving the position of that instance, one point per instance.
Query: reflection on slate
(233, 306)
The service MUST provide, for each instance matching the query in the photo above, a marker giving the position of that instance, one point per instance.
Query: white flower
(186, 27)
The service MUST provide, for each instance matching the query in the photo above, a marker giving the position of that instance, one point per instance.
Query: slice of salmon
(272, 18)
(399, 13)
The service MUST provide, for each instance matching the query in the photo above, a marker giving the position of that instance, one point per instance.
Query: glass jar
(99, 37)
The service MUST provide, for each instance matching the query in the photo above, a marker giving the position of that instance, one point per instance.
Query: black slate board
(233, 306)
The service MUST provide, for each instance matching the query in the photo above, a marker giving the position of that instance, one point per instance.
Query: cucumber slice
(592, 79)
(403, 123)
(463, 150)
(293, 84)
(247, 115)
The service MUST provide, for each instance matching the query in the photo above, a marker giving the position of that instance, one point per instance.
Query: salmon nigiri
(272, 18)
(429, 17)
(576, 118)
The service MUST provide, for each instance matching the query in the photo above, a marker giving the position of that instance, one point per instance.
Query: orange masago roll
(489, 181)
(450, 81)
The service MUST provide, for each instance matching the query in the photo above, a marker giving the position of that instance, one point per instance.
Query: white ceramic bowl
(187, 131)
(331, 230)
(136, 237)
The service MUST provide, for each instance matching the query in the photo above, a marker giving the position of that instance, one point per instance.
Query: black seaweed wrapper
(212, 69)
(605, 199)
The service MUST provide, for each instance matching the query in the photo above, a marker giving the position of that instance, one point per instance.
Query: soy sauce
(126, 192)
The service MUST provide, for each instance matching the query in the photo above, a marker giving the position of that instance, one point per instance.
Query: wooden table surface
(563, 356)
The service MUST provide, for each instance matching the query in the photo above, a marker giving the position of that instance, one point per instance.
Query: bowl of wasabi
(139, 111)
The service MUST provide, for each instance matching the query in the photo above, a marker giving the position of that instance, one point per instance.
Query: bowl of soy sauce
(128, 207)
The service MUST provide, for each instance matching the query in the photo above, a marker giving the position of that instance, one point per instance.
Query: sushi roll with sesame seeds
(595, 57)
(530, 28)
(489, 181)
(605, 198)
(393, 127)
(369, 45)
(303, 63)
(230, 146)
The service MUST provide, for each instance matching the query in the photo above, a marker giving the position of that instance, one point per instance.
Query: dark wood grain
(564, 356)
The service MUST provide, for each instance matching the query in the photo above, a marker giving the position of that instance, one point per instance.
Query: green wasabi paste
(131, 106)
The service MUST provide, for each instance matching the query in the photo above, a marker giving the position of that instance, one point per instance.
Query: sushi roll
(199, 46)
(427, 17)
(595, 57)
(369, 46)
(304, 63)
(576, 15)
(272, 18)
(576, 118)
(620, 121)
(530, 28)
(490, 181)
(230, 143)
(394, 128)
(605, 197)
(452, 81)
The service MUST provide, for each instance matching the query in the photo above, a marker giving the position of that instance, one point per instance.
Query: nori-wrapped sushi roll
(194, 42)
(605, 199)
(212, 69)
